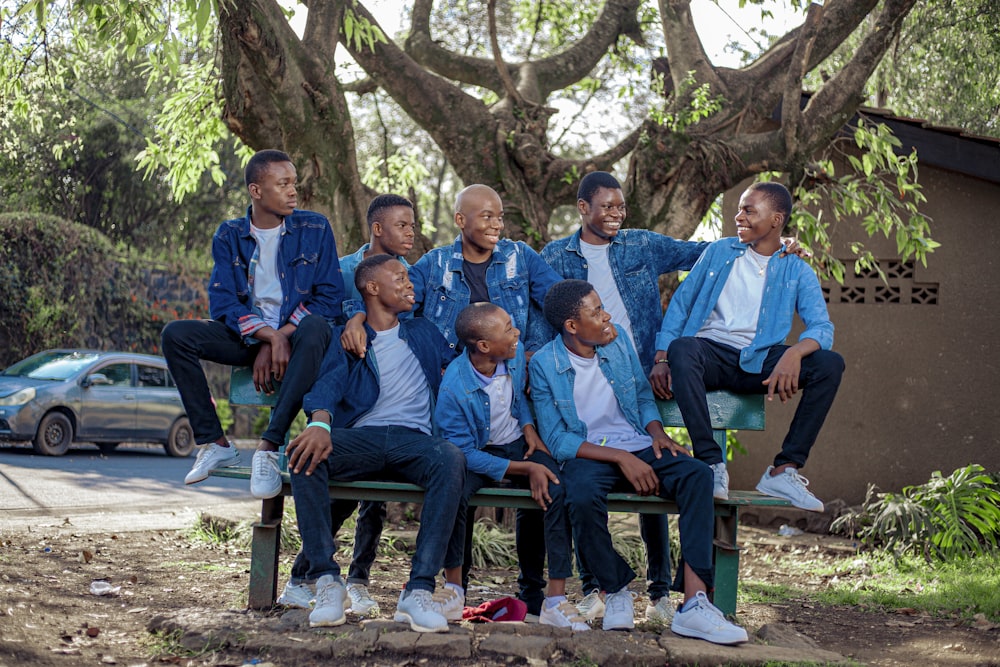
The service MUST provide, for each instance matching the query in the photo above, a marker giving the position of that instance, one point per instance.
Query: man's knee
(313, 330)
(682, 350)
(828, 364)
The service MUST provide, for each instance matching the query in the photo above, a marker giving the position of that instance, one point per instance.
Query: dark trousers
(367, 532)
(699, 365)
(683, 479)
(655, 532)
(186, 343)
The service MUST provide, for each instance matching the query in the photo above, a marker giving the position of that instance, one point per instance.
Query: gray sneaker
(791, 486)
(450, 603)
(703, 620)
(330, 596)
(417, 607)
(591, 607)
(210, 457)
(720, 486)
(619, 610)
(298, 595)
(661, 611)
(265, 475)
(362, 603)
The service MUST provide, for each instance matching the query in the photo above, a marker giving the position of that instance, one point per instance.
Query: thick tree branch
(792, 100)
(508, 82)
(684, 47)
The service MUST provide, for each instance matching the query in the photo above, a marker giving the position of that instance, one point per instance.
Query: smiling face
(479, 214)
(602, 217)
(273, 194)
(393, 234)
(499, 337)
(591, 327)
(758, 223)
(390, 288)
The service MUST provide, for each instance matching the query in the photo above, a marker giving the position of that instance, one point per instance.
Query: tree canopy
(496, 88)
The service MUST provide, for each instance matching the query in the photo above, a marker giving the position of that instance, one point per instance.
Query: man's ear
(569, 326)
(254, 190)
(376, 229)
(582, 206)
(483, 346)
(371, 287)
(459, 220)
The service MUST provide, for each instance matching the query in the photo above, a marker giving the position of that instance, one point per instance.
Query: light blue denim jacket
(515, 278)
(552, 378)
(349, 264)
(790, 286)
(638, 257)
(462, 414)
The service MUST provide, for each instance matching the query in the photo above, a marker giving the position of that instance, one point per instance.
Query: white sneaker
(563, 615)
(417, 607)
(661, 611)
(210, 457)
(265, 475)
(329, 610)
(449, 602)
(362, 603)
(791, 486)
(703, 620)
(301, 595)
(720, 487)
(619, 610)
(591, 607)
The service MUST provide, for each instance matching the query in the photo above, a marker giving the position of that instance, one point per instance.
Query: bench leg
(727, 562)
(264, 554)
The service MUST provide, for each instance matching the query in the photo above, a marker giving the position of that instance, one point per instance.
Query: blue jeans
(367, 532)
(699, 365)
(654, 529)
(186, 343)
(537, 532)
(683, 479)
(383, 452)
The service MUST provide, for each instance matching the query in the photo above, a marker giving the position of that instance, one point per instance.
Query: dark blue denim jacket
(348, 386)
(307, 268)
(638, 257)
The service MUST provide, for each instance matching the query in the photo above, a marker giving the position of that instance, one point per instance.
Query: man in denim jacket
(725, 328)
(274, 290)
(596, 413)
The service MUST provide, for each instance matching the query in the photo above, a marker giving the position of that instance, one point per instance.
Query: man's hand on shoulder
(792, 247)
(354, 339)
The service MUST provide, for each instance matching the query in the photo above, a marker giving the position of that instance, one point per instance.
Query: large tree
(489, 109)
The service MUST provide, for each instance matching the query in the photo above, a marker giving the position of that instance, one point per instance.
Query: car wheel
(180, 442)
(55, 433)
(107, 447)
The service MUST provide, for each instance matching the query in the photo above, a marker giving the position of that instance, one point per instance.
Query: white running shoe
(563, 615)
(619, 610)
(660, 612)
(703, 620)
(329, 610)
(591, 607)
(362, 603)
(301, 595)
(791, 486)
(265, 475)
(720, 485)
(450, 602)
(210, 457)
(417, 607)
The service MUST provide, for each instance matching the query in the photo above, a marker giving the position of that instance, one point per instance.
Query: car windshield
(51, 365)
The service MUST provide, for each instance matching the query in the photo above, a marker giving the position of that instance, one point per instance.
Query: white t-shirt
(404, 398)
(599, 275)
(733, 321)
(504, 428)
(598, 408)
(267, 293)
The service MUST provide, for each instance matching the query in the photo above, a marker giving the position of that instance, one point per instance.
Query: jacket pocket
(304, 272)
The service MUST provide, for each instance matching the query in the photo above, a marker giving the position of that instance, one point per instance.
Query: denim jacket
(515, 278)
(552, 378)
(462, 414)
(790, 286)
(307, 268)
(638, 257)
(348, 387)
(349, 264)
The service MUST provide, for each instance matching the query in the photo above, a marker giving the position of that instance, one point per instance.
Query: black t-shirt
(475, 275)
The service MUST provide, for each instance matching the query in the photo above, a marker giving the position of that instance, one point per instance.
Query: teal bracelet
(322, 425)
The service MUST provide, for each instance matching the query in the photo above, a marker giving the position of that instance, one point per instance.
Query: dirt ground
(49, 617)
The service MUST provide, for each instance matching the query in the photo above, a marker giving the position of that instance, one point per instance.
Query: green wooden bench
(729, 411)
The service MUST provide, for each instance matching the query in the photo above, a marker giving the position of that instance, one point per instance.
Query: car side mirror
(95, 379)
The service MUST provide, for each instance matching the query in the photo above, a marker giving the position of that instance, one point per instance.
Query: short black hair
(563, 301)
(259, 163)
(471, 322)
(778, 196)
(593, 182)
(366, 270)
(382, 203)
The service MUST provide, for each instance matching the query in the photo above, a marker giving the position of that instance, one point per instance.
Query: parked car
(58, 397)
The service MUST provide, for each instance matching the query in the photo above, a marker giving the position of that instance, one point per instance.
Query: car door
(107, 405)
(158, 404)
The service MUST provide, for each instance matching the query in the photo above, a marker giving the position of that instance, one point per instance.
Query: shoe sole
(270, 493)
(328, 624)
(775, 495)
(402, 617)
(630, 626)
(694, 634)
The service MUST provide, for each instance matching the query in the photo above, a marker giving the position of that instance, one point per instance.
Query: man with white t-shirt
(275, 289)
(726, 327)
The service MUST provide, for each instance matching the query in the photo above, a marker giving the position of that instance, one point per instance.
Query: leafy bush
(946, 517)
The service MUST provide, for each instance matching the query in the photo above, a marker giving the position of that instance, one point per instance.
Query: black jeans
(186, 342)
(698, 365)
(367, 533)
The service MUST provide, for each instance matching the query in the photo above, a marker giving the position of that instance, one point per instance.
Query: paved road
(137, 487)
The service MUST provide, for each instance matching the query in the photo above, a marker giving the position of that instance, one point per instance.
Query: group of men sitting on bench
(428, 382)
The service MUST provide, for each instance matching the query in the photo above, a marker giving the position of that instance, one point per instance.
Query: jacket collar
(573, 244)
(500, 254)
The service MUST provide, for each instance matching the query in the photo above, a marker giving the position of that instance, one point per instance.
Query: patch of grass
(217, 531)
(756, 592)
(162, 646)
(492, 545)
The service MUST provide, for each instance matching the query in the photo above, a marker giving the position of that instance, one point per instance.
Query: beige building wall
(921, 389)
